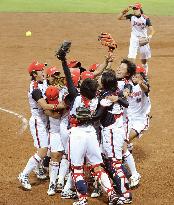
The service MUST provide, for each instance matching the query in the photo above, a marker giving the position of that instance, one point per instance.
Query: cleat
(24, 181)
(96, 193)
(125, 199)
(40, 173)
(69, 194)
(59, 187)
(113, 198)
(134, 180)
(52, 189)
(81, 202)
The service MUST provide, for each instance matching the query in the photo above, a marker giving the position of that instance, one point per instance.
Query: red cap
(73, 64)
(137, 5)
(35, 66)
(87, 74)
(93, 67)
(140, 69)
(75, 74)
(52, 70)
(52, 94)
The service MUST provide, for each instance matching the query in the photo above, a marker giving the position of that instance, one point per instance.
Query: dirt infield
(154, 152)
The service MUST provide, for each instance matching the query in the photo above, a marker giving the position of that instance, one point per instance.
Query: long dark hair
(109, 81)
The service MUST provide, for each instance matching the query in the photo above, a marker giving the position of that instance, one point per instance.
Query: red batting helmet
(52, 70)
(87, 74)
(75, 74)
(74, 64)
(93, 67)
(35, 66)
(52, 94)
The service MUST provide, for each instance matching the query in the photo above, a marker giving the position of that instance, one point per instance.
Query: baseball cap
(140, 69)
(93, 67)
(35, 66)
(52, 70)
(137, 6)
(52, 94)
(75, 74)
(73, 64)
(87, 74)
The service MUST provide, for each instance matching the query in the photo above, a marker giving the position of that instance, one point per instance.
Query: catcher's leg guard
(80, 184)
(103, 179)
(114, 167)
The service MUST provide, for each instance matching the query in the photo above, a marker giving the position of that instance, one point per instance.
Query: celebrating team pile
(83, 124)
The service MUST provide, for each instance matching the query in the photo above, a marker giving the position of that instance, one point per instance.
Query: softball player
(38, 120)
(140, 25)
(124, 74)
(64, 165)
(55, 142)
(85, 135)
(137, 116)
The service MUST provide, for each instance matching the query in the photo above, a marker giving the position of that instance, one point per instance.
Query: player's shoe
(24, 181)
(134, 180)
(113, 198)
(69, 194)
(59, 187)
(40, 173)
(96, 193)
(81, 202)
(125, 199)
(52, 189)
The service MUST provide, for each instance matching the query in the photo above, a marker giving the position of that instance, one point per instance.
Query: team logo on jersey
(141, 24)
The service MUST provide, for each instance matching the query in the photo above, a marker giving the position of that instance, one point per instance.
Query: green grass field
(153, 7)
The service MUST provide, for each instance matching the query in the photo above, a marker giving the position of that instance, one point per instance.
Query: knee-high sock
(129, 159)
(64, 167)
(69, 183)
(54, 168)
(32, 163)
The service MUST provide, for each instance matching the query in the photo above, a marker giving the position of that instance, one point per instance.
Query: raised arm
(122, 15)
(61, 55)
(71, 88)
(107, 63)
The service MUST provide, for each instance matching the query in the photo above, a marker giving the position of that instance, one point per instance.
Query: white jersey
(121, 84)
(139, 25)
(36, 110)
(79, 103)
(139, 103)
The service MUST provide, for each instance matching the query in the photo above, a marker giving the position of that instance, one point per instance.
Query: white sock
(145, 66)
(69, 183)
(129, 159)
(64, 167)
(33, 162)
(54, 168)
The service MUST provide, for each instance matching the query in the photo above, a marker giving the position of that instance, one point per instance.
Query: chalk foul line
(23, 119)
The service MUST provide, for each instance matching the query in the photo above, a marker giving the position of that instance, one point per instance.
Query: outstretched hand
(63, 50)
